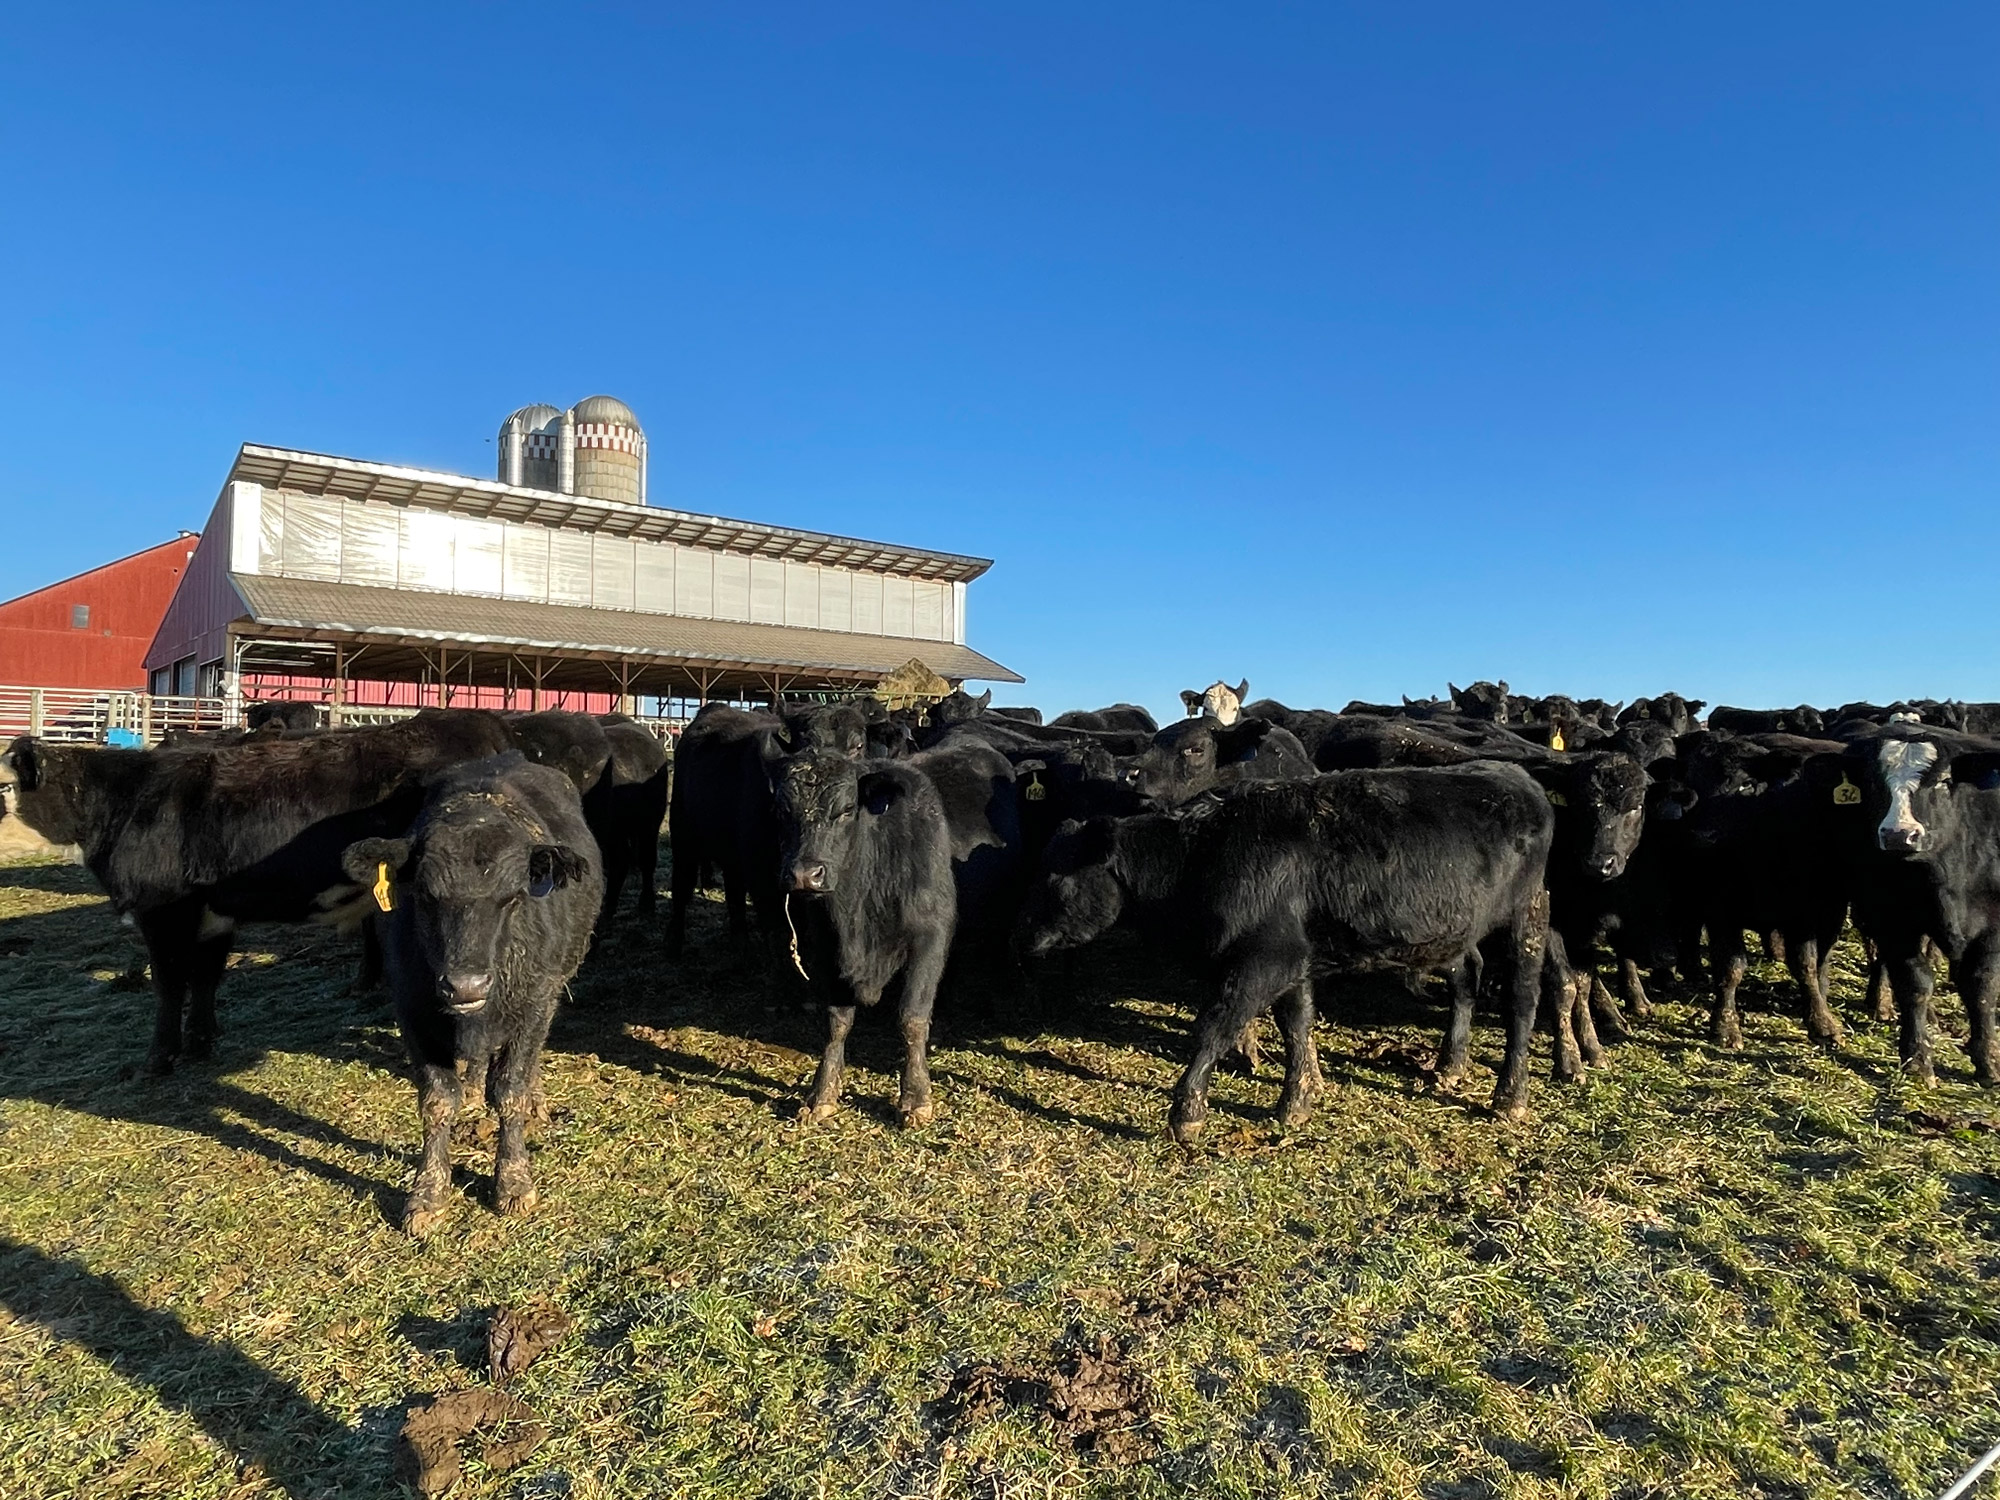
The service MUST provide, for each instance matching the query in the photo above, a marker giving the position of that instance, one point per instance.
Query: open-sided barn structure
(360, 582)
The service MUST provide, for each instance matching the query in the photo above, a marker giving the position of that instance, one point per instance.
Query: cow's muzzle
(465, 994)
(810, 878)
(1901, 840)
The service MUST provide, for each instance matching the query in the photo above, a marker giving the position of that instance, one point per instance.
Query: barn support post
(232, 682)
(36, 712)
(337, 692)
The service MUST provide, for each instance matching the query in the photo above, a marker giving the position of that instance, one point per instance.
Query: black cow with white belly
(489, 902)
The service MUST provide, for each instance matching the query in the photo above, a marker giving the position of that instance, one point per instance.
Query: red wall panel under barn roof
(45, 642)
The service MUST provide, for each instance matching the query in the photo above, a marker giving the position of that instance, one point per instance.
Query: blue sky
(1349, 348)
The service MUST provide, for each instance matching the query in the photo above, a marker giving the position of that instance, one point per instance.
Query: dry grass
(1698, 1274)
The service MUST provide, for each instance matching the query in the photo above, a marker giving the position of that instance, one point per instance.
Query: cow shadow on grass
(263, 1419)
(75, 1012)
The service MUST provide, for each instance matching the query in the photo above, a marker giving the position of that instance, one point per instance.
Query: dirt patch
(518, 1336)
(1929, 1122)
(428, 1449)
(1091, 1396)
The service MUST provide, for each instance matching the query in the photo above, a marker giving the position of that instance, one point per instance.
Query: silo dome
(530, 447)
(610, 450)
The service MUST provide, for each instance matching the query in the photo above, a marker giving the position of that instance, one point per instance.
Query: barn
(93, 630)
(558, 583)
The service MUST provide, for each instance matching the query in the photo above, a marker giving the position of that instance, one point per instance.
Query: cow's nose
(809, 877)
(466, 991)
(1902, 840)
(1610, 866)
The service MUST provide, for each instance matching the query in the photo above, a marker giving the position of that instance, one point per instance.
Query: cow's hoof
(517, 1203)
(1294, 1112)
(814, 1114)
(1728, 1038)
(421, 1223)
(1923, 1075)
(923, 1114)
(1514, 1111)
(1184, 1124)
(1827, 1038)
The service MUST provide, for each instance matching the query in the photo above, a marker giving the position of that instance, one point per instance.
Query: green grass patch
(1698, 1273)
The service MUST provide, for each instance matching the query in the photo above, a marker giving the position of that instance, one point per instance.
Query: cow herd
(1525, 851)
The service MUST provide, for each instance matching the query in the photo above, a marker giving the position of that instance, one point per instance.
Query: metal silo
(609, 457)
(530, 443)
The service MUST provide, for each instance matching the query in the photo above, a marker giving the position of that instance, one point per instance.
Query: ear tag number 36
(1847, 794)
(383, 892)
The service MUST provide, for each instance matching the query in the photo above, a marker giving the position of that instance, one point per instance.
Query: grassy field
(1768, 1273)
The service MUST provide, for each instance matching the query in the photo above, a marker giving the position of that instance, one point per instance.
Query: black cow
(1188, 758)
(190, 842)
(571, 743)
(866, 858)
(1274, 882)
(1757, 854)
(721, 818)
(288, 717)
(1024, 715)
(490, 899)
(1918, 811)
(627, 808)
(1483, 700)
(1805, 719)
(1125, 718)
(1671, 709)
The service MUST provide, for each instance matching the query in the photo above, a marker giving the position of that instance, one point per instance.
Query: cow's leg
(686, 860)
(824, 1100)
(513, 1083)
(1726, 957)
(647, 861)
(169, 934)
(1601, 1011)
(1568, 995)
(1584, 1023)
(1303, 1080)
(205, 970)
(920, 986)
(1802, 957)
(437, 1107)
(1977, 977)
(472, 1083)
(1636, 999)
(1451, 1059)
(1912, 980)
(1266, 964)
(368, 973)
(1529, 942)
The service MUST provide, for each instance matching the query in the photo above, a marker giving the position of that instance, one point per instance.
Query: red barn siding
(40, 646)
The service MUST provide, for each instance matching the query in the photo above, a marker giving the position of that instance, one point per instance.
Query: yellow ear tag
(1847, 794)
(1036, 791)
(384, 896)
(1555, 739)
(1557, 799)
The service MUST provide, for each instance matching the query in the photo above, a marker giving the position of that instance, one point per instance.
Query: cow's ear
(1978, 769)
(23, 763)
(376, 863)
(1243, 691)
(1239, 739)
(1191, 701)
(1695, 705)
(984, 700)
(553, 866)
(1670, 801)
(1456, 696)
(878, 793)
